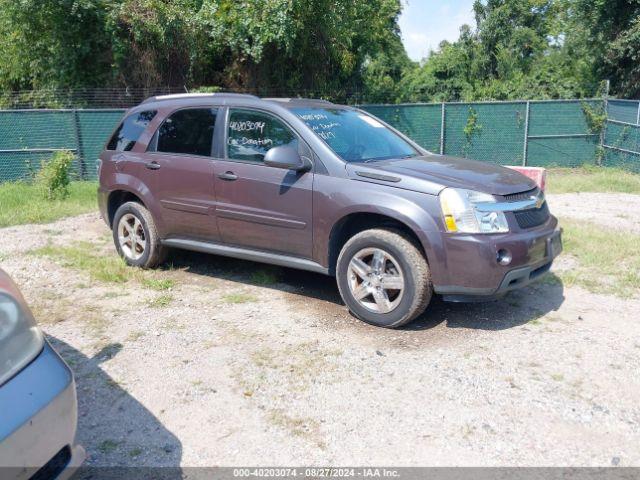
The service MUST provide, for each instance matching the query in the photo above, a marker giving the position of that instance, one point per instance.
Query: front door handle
(229, 176)
(153, 165)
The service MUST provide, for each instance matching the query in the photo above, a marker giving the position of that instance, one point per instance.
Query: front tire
(136, 236)
(384, 278)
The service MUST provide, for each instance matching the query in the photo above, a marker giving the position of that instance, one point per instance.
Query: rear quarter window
(129, 131)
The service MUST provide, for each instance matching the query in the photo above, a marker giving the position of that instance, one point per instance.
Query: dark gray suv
(328, 188)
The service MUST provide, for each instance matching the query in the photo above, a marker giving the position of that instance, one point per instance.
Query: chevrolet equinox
(312, 185)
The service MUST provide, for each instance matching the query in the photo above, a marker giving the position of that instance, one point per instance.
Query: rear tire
(384, 278)
(136, 236)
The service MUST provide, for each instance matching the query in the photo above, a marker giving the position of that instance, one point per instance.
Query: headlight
(20, 338)
(459, 208)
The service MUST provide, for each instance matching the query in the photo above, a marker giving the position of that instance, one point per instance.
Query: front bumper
(474, 274)
(38, 421)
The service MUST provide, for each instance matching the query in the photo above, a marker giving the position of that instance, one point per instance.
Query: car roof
(236, 99)
(302, 102)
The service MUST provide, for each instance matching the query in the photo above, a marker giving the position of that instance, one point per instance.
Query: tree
(52, 43)
(338, 49)
(280, 46)
(516, 50)
(605, 35)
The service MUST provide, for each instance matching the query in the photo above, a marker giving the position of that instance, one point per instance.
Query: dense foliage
(334, 48)
(535, 49)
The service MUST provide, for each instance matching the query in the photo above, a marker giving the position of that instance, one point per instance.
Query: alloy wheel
(376, 280)
(131, 236)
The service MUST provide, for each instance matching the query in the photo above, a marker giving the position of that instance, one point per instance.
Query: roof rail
(296, 99)
(174, 96)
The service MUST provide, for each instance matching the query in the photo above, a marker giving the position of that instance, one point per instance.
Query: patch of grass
(115, 384)
(158, 284)
(298, 364)
(592, 179)
(235, 298)
(52, 309)
(174, 325)
(22, 203)
(108, 446)
(307, 428)
(135, 335)
(550, 279)
(264, 277)
(608, 261)
(160, 301)
(83, 256)
(135, 452)
(114, 294)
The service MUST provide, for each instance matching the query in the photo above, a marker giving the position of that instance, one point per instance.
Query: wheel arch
(355, 222)
(119, 197)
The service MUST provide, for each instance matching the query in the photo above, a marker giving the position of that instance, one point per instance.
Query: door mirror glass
(287, 158)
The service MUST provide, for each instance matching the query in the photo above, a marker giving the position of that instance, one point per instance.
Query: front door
(180, 155)
(259, 206)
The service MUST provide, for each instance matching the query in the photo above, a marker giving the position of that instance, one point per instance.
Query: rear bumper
(474, 273)
(39, 415)
(103, 197)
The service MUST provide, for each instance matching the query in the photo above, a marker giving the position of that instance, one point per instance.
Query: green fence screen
(421, 122)
(535, 133)
(621, 142)
(30, 137)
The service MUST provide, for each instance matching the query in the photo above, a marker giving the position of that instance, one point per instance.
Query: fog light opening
(504, 256)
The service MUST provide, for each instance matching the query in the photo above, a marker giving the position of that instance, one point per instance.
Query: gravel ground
(227, 370)
(615, 210)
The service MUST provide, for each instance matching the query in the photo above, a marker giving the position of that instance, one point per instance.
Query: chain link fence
(621, 141)
(563, 133)
(30, 137)
(536, 133)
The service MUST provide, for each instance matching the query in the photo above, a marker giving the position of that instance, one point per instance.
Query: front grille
(55, 466)
(532, 217)
(516, 197)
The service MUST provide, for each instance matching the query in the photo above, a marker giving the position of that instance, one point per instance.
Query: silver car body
(38, 414)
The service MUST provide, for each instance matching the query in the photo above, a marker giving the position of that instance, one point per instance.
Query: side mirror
(287, 158)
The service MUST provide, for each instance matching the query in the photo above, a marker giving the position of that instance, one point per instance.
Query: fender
(418, 211)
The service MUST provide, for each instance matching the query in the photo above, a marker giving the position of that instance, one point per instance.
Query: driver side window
(252, 134)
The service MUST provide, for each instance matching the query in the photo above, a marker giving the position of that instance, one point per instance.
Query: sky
(425, 23)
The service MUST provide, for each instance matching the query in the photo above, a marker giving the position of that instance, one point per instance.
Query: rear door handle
(153, 165)
(229, 176)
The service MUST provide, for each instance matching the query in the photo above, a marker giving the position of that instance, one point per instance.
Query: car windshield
(355, 136)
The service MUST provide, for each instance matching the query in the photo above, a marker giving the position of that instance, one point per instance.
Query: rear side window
(252, 134)
(188, 131)
(127, 134)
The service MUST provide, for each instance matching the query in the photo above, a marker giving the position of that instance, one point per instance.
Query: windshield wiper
(390, 157)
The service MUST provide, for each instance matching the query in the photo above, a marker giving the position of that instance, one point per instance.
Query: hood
(432, 173)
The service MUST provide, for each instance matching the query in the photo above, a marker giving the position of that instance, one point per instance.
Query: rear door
(259, 206)
(180, 156)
